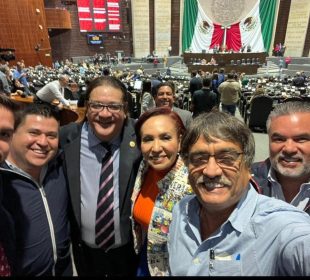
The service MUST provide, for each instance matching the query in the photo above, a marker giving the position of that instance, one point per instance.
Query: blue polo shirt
(263, 236)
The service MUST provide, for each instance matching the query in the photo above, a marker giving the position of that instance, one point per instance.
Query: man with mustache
(227, 228)
(286, 173)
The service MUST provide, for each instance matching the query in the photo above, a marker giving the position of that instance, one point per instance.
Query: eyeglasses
(223, 159)
(98, 107)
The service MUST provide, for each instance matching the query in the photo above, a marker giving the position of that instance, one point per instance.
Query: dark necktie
(105, 211)
(4, 265)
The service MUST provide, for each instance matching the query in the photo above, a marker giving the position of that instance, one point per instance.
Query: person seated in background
(286, 173)
(53, 90)
(20, 78)
(160, 183)
(298, 80)
(227, 228)
(213, 61)
(72, 92)
(36, 194)
(4, 79)
(259, 91)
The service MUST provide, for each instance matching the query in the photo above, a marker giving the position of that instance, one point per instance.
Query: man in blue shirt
(227, 228)
(21, 75)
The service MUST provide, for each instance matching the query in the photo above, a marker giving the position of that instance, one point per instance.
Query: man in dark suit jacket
(203, 99)
(106, 122)
(165, 96)
(195, 82)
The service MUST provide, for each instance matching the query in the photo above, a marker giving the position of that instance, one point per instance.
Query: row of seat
(256, 115)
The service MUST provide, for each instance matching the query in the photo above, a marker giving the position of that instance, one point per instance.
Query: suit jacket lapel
(72, 153)
(128, 154)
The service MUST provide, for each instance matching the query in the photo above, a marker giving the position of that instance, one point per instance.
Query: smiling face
(217, 188)
(160, 142)
(289, 144)
(6, 131)
(34, 143)
(164, 97)
(106, 125)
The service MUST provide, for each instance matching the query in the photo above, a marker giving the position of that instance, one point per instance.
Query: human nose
(211, 169)
(290, 147)
(42, 140)
(156, 147)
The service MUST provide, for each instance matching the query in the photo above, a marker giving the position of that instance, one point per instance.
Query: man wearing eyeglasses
(106, 130)
(227, 228)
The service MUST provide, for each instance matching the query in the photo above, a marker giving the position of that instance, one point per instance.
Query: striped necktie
(105, 237)
(4, 265)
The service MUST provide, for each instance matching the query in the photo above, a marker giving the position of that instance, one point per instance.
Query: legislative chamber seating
(276, 91)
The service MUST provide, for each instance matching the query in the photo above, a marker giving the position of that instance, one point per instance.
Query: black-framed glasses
(223, 159)
(98, 107)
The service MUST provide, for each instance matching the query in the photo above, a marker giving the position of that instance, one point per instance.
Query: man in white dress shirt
(53, 90)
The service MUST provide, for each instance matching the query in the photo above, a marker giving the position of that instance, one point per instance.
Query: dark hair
(106, 71)
(223, 126)
(206, 82)
(9, 104)
(166, 84)
(146, 86)
(106, 81)
(45, 110)
(230, 76)
(158, 111)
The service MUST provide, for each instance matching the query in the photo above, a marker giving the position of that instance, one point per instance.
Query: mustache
(289, 157)
(219, 180)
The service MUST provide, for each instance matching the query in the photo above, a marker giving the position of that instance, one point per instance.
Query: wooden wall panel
(152, 25)
(175, 26)
(73, 43)
(284, 10)
(58, 18)
(23, 28)
(283, 15)
(306, 51)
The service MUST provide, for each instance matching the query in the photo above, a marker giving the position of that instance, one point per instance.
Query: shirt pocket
(225, 267)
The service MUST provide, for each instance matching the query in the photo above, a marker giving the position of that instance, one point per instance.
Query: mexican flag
(254, 30)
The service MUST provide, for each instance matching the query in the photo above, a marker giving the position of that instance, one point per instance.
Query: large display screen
(94, 39)
(99, 15)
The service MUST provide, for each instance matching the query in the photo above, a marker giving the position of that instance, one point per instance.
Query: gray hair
(222, 126)
(287, 108)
